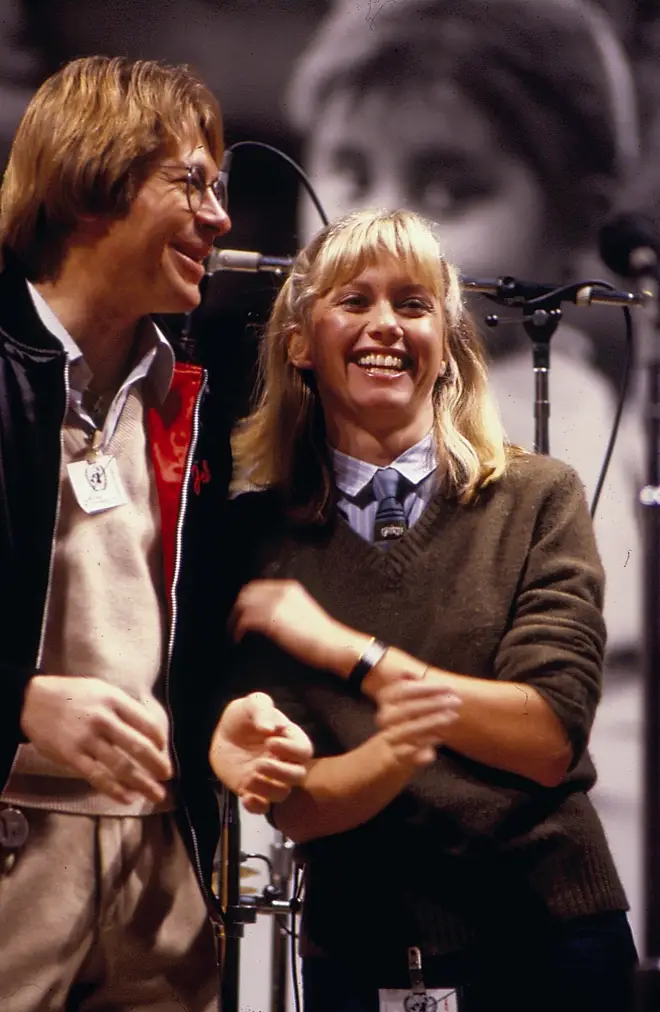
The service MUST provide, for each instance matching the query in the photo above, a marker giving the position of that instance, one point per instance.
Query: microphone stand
(540, 326)
(229, 862)
(648, 973)
(241, 910)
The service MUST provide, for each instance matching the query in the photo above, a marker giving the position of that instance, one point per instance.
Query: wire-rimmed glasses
(196, 187)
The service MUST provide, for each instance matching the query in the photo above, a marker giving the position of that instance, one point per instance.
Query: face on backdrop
(376, 348)
(436, 153)
(153, 257)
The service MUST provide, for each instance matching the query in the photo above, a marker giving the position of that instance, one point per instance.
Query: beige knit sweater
(107, 611)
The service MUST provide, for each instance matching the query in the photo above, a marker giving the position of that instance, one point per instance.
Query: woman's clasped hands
(413, 711)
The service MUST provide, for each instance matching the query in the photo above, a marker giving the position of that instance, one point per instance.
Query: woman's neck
(379, 448)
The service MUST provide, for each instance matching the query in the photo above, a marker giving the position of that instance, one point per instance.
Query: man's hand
(287, 614)
(258, 753)
(117, 744)
(414, 716)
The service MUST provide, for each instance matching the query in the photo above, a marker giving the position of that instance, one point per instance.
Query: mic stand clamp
(540, 325)
(270, 901)
(265, 903)
(235, 917)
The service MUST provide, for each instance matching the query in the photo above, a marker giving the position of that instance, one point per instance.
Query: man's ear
(299, 355)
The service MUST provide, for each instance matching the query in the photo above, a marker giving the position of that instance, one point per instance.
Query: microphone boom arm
(507, 290)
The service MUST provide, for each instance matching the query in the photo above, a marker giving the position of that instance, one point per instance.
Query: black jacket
(189, 437)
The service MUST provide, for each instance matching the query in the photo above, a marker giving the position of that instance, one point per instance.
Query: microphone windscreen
(225, 165)
(624, 236)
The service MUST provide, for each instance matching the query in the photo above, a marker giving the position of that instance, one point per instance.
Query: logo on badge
(420, 1003)
(96, 477)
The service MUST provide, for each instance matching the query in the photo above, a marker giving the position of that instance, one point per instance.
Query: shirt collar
(156, 357)
(156, 360)
(415, 464)
(54, 325)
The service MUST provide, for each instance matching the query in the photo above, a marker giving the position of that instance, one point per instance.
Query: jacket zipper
(170, 646)
(44, 614)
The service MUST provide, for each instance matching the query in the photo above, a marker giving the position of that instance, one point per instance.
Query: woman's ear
(299, 355)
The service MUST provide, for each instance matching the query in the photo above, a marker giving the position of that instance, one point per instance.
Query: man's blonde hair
(90, 137)
(282, 443)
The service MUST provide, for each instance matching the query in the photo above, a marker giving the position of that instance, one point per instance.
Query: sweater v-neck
(399, 554)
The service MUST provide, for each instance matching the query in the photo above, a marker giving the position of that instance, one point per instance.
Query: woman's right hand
(418, 723)
(285, 612)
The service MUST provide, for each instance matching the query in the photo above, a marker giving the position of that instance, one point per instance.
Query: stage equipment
(510, 291)
(629, 246)
(240, 908)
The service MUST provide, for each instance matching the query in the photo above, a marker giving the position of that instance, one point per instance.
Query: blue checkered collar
(415, 464)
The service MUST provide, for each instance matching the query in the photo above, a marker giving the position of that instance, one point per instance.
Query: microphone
(245, 260)
(513, 292)
(505, 289)
(629, 245)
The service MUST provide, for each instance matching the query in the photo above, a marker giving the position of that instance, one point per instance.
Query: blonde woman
(426, 601)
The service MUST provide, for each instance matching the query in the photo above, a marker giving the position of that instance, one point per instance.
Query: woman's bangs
(359, 245)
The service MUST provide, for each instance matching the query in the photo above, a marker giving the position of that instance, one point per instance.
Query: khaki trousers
(104, 915)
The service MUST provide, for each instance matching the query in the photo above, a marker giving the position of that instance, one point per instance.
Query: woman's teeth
(394, 362)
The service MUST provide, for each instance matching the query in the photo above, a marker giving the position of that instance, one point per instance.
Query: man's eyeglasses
(196, 187)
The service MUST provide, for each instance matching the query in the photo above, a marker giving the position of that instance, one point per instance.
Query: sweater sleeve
(556, 639)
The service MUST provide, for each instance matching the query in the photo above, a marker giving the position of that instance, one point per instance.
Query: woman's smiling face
(376, 347)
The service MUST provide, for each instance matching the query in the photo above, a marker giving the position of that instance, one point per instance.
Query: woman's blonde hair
(282, 442)
(90, 137)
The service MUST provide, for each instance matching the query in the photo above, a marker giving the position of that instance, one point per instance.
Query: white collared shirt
(353, 478)
(156, 363)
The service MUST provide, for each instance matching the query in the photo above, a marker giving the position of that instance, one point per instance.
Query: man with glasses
(114, 467)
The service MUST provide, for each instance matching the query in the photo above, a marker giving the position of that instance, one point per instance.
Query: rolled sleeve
(556, 640)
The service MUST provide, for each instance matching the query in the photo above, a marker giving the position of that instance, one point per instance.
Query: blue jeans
(587, 965)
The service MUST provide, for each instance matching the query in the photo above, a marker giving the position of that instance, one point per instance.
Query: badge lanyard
(418, 998)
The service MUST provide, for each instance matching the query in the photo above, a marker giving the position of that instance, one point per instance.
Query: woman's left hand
(287, 614)
(258, 752)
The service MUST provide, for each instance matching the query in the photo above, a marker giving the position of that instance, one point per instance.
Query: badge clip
(96, 443)
(417, 985)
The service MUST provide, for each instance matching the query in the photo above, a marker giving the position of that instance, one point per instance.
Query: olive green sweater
(509, 587)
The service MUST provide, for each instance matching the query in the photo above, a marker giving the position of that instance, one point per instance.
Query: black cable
(623, 393)
(563, 290)
(244, 857)
(302, 175)
(298, 881)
